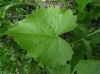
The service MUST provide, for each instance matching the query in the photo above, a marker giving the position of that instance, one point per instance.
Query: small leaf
(88, 48)
(84, 16)
(38, 34)
(75, 59)
(87, 67)
(94, 39)
(2, 12)
(80, 31)
(95, 11)
(82, 4)
(1, 31)
(85, 47)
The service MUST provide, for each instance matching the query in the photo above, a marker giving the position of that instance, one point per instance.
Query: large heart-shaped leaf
(88, 67)
(38, 34)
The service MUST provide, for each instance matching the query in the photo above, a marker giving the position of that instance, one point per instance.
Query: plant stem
(86, 36)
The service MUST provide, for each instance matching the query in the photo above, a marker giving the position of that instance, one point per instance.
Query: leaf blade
(38, 34)
(88, 67)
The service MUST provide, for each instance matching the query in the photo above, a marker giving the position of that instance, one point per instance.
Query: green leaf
(84, 16)
(85, 47)
(1, 31)
(82, 4)
(80, 31)
(78, 55)
(88, 48)
(87, 67)
(2, 12)
(4, 26)
(4, 72)
(60, 69)
(95, 11)
(38, 34)
(2, 2)
(41, 3)
(94, 39)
